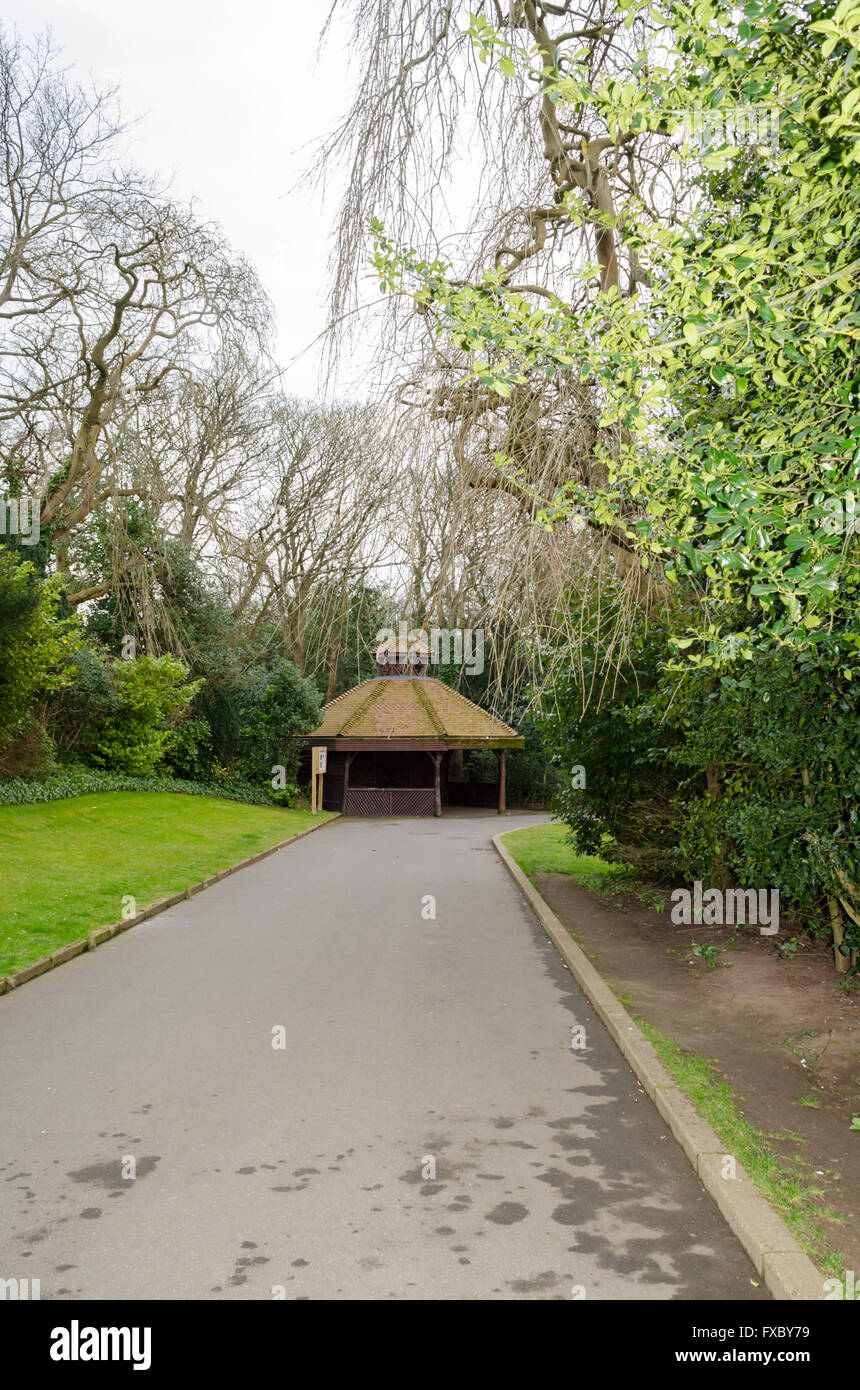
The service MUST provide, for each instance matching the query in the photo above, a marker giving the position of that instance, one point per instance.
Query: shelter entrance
(385, 783)
(400, 782)
(391, 742)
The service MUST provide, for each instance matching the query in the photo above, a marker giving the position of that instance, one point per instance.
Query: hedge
(20, 791)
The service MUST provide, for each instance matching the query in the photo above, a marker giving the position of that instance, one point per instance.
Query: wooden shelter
(393, 743)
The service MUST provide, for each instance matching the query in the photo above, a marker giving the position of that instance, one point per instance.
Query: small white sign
(320, 755)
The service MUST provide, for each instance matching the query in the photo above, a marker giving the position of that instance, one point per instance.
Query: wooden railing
(390, 801)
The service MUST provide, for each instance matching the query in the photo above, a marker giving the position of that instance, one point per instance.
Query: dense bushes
(124, 716)
(750, 778)
(36, 647)
(67, 700)
(275, 703)
(617, 787)
(77, 781)
(780, 746)
(135, 728)
(142, 716)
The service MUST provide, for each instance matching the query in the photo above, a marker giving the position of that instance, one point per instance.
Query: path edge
(101, 934)
(785, 1269)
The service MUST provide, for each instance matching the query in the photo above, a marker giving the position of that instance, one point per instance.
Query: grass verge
(546, 849)
(69, 865)
(784, 1183)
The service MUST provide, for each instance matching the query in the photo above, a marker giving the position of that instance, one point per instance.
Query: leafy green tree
(36, 644)
(753, 293)
(275, 704)
(147, 699)
(618, 787)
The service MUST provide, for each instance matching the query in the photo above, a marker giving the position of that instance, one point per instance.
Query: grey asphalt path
(409, 1042)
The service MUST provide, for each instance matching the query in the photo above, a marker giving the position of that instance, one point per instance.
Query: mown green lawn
(544, 849)
(65, 866)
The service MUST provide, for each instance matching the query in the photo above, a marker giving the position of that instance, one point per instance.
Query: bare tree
(554, 190)
(325, 519)
(109, 290)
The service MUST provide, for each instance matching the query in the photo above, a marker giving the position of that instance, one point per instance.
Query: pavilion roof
(393, 708)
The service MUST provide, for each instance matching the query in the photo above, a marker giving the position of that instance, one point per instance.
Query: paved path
(409, 1042)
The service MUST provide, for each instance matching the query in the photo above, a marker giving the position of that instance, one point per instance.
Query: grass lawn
(545, 849)
(67, 865)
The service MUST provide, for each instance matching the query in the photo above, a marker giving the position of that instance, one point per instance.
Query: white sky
(227, 94)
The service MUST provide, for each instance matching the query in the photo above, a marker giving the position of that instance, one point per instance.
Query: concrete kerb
(96, 937)
(785, 1269)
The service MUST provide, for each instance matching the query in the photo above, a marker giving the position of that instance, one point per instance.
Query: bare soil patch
(783, 1033)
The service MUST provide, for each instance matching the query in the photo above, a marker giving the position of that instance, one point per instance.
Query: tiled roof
(410, 707)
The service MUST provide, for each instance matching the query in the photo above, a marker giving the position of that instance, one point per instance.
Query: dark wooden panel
(390, 801)
(481, 794)
(332, 791)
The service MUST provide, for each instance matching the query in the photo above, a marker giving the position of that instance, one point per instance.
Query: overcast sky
(228, 94)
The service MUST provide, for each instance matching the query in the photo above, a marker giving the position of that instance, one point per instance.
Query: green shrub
(288, 796)
(149, 695)
(275, 704)
(631, 806)
(75, 781)
(36, 643)
(29, 753)
(190, 747)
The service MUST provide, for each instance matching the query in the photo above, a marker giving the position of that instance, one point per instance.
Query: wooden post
(437, 790)
(348, 757)
(319, 758)
(501, 757)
